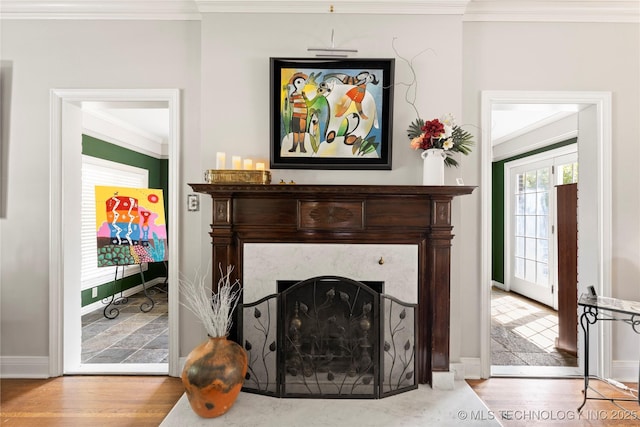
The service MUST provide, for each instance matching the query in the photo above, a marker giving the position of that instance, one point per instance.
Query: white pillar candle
(236, 162)
(259, 166)
(248, 164)
(221, 160)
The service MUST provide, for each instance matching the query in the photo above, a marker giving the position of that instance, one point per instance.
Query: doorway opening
(529, 327)
(70, 126)
(553, 117)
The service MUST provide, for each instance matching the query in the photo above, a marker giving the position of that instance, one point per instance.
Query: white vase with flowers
(440, 139)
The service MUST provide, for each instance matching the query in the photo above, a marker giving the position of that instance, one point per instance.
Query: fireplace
(329, 337)
(416, 216)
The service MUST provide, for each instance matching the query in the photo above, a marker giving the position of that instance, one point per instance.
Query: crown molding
(553, 11)
(470, 10)
(192, 9)
(100, 9)
(370, 7)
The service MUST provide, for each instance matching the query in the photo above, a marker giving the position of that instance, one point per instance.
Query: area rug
(417, 408)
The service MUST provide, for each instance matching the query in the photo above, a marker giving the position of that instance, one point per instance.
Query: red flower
(426, 142)
(433, 129)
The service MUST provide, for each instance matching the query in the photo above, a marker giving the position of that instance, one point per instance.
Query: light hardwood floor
(552, 402)
(112, 401)
(106, 401)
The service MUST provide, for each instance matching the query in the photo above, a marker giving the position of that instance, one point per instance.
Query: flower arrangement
(213, 308)
(440, 133)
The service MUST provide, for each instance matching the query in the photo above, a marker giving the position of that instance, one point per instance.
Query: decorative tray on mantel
(227, 176)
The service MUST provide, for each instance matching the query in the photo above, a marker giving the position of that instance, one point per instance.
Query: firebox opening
(330, 337)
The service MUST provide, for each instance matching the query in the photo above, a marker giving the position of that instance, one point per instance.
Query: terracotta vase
(213, 375)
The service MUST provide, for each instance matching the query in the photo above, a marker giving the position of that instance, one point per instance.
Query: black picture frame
(328, 113)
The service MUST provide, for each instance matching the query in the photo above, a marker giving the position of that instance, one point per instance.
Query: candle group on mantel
(237, 163)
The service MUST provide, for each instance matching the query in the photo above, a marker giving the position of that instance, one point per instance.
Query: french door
(531, 224)
(530, 218)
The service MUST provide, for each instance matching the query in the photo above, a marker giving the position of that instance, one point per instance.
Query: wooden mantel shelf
(349, 190)
(351, 214)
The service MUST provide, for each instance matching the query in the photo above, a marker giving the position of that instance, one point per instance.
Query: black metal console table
(596, 308)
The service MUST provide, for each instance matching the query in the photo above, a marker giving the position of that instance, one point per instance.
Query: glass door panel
(530, 218)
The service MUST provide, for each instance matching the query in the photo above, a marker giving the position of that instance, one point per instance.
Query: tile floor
(523, 332)
(132, 337)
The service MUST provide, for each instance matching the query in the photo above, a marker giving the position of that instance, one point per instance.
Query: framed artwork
(130, 226)
(331, 113)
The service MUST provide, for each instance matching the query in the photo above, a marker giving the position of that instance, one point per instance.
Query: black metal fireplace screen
(329, 337)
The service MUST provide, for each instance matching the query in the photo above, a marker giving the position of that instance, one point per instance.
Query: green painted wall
(497, 207)
(158, 178)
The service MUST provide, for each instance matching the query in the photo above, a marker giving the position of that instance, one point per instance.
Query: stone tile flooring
(523, 332)
(132, 337)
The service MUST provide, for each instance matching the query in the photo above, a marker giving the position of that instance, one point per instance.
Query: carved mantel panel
(355, 214)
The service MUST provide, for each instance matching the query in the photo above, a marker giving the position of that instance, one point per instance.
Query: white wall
(221, 65)
(563, 57)
(69, 55)
(235, 80)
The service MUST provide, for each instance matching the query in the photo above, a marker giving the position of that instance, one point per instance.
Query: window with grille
(531, 218)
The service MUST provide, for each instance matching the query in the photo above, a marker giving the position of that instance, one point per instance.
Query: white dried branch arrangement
(214, 308)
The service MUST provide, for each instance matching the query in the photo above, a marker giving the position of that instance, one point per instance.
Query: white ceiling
(147, 119)
(511, 120)
(154, 122)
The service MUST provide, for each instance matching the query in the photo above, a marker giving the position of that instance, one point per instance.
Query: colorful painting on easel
(130, 226)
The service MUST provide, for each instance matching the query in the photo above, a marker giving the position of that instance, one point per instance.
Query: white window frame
(123, 176)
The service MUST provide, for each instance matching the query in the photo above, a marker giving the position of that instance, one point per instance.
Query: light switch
(193, 202)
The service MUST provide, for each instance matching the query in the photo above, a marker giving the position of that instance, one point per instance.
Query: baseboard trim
(499, 285)
(24, 367)
(471, 368)
(625, 370)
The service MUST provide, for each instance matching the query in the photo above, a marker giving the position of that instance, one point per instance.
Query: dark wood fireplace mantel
(355, 214)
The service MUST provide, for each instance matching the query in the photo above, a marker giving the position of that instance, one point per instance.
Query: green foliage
(156, 252)
(463, 141)
(415, 129)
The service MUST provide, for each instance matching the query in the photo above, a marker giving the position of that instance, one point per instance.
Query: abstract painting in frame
(130, 226)
(331, 113)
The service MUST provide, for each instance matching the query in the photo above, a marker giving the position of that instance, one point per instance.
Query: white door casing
(65, 147)
(594, 256)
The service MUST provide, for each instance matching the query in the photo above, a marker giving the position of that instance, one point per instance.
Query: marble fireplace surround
(266, 263)
(372, 373)
(413, 218)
